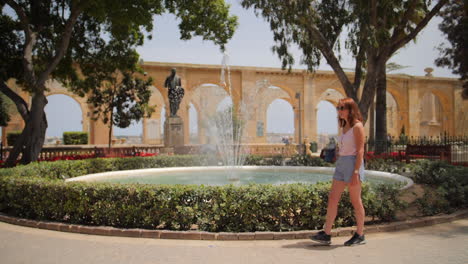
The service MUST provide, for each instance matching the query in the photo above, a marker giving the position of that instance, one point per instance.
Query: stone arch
(267, 95)
(393, 122)
(152, 132)
(265, 81)
(431, 115)
(205, 97)
(266, 125)
(193, 140)
(331, 85)
(54, 87)
(64, 114)
(331, 95)
(224, 104)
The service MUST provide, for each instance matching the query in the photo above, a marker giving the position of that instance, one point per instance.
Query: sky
(250, 46)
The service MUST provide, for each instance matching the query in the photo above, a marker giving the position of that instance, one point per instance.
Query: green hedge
(75, 138)
(449, 186)
(446, 186)
(12, 136)
(37, 191)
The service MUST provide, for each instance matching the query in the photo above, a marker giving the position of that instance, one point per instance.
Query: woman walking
(349, 172)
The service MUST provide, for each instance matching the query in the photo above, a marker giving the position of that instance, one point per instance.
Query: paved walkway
(443, 243)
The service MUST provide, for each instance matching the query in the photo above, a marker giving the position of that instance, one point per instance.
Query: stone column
(201, 131)
(310, 112)
(99, 133)
(433, 110)
(414, 111)
(248, 87)
(461, 113)
(174, 132)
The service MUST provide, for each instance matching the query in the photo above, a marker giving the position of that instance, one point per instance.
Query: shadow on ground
(311, 245)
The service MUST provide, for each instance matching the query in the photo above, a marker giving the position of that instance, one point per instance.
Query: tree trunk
(31, 140)
(372, 123)
(368, 94)
(381, 111)
(110, 130)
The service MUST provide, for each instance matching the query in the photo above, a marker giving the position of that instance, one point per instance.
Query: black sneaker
(356, 240)
(321, 237)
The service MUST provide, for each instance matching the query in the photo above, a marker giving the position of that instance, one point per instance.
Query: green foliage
(430, 172)
(10, 48)
(306, 160)
(5, 106)
(80, 43)
(388, 165)
(100, 25)
(290, 22)
(64, 169)
(455, 27)
(12, 136)
(448, 186)
(385, 202)
(75, 138)
(37, 191)
(254, 160)
(179, 207)
(313, 146)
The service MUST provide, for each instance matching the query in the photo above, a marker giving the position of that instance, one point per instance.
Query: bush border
(199, 235)
(50, 176)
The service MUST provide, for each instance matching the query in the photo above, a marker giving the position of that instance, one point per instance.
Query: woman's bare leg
(334, 196)
(359, 213)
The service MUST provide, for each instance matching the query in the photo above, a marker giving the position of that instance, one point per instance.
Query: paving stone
(64, 228)
(208, 236)
(102, 230)
(191, 235)
(460, 214)
(283, 235)
(53, 226)
(371, 229)
(170, 235)
(227, 236)
(304, 234)
(131, 232)
(247, 236)
(42, 225)
(345, 231)
(86, 230)
(151, 233)
(264, 235)
(74, 228)
(386, 227)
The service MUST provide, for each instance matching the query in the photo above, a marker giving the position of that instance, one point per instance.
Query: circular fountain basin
(222, 175)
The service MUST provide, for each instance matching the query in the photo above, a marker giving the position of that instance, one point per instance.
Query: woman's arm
(359, 140)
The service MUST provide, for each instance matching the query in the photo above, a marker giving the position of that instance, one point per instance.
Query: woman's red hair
(354, 112)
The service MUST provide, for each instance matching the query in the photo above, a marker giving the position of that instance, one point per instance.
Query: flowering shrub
(392, 155)
(88, 156)
(37, 191)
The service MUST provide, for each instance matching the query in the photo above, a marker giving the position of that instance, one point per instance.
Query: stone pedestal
(173, 132)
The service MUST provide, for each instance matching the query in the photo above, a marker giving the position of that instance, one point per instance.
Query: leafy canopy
(455, 28)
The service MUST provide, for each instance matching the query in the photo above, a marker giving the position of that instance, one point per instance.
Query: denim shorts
(345, 168)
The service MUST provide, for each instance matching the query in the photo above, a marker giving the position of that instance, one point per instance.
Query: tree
(47, 39)
(376, 30)
(455, 28)
(116, 94)
(4, 110)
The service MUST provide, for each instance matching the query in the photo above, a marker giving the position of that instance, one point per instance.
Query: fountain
(226, 132)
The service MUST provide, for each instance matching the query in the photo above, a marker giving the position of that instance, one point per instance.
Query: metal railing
(49, 153)
(453, 149)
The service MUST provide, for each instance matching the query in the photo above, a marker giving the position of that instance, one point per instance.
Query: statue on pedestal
(175, 93)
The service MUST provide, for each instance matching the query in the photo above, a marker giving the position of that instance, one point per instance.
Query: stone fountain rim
(327, 170)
